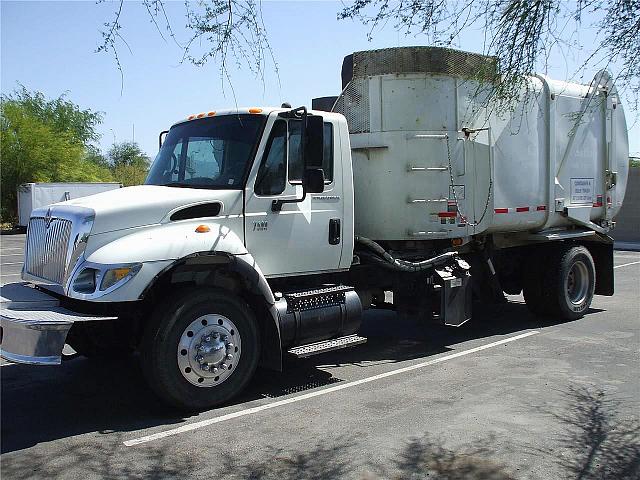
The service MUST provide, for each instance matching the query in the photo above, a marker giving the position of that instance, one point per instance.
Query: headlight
(85, 282)
(115, 275)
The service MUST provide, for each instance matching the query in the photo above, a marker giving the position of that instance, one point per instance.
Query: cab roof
(265, 111)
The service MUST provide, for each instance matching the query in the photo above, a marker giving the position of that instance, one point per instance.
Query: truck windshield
(212, 152)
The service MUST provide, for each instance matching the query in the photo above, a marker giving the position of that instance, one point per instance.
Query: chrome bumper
(33, 326)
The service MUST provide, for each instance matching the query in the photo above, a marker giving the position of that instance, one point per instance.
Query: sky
(51, 47)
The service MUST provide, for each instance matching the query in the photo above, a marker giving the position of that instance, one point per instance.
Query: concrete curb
(627, 246)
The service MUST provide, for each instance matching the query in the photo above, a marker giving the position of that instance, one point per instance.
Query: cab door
(303, 237)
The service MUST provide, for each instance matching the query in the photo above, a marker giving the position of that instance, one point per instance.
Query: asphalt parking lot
(506, 396)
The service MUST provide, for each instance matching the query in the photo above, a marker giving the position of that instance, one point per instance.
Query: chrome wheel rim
(577, 284)
(209, 350)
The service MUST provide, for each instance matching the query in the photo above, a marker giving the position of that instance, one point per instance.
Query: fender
(247, 269)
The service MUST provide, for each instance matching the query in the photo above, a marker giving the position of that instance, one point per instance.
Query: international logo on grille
(47, 219)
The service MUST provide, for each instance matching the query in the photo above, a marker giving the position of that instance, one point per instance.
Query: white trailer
(263, 231)
(37, 195)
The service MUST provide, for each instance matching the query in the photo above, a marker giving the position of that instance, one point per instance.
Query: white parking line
(626, 264)
(249, 411)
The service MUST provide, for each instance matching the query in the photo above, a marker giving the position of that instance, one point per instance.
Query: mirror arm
(276, 205)
(164, 132)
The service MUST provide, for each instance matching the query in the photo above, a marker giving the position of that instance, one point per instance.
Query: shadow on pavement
(41, 404)
(599, 442)
(318, 463)
(417, 458)
(101, 460)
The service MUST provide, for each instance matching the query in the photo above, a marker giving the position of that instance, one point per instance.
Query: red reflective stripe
(522, 209)
(447, 214)
(502, 210)
(541, 208)
(597, 204)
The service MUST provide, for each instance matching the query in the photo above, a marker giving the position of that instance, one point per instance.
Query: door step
(304, 351)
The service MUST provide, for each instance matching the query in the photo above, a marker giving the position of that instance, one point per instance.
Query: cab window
(283, 154)
(272, 173)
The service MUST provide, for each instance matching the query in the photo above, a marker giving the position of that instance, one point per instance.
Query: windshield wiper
(179, 185)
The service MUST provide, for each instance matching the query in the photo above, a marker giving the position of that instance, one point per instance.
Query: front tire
(200, 349)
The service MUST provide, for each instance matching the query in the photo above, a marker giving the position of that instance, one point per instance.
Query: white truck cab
(252, 238)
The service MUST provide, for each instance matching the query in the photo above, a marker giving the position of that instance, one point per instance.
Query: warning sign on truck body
(582, 190)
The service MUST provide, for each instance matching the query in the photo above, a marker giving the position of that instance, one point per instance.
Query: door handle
(334, 231)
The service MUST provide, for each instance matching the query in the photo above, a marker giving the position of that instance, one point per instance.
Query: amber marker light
(456, 242)
(211, 114)
(200, 115)
(191, 117)
(255, 110)
(202, 229)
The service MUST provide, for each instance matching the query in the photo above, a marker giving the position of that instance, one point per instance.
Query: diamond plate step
(304, 351)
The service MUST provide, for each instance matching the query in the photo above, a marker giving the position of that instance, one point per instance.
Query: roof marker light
(255, 110)
(200, 115)
(211, 114)
(202, 229)
(191, 117)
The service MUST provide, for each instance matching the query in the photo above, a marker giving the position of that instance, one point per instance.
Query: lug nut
(215, 370)
(229, 357)
(223, 367)
(207, 338)
(205, 367)
(230, 346)
(199, 358)
(216, 335)
(201, 348)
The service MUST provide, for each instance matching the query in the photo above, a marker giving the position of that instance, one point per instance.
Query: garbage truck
(264, 232)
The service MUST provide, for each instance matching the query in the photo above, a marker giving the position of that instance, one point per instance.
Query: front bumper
(33, 325)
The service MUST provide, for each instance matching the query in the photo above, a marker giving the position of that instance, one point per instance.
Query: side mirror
(314, 142)
(313, 180)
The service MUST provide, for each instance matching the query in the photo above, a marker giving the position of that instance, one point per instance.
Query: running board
(304, 351)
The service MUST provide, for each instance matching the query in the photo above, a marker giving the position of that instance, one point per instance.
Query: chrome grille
(47, 247)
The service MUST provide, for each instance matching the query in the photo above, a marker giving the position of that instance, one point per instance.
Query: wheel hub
(208, 350)
(577, 286)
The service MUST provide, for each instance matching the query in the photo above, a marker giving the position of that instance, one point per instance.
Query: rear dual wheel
(201, 348)
(560, 282)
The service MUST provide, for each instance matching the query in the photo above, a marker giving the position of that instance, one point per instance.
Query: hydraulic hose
(386, 260)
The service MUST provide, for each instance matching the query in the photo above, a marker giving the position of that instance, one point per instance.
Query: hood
(149, 204)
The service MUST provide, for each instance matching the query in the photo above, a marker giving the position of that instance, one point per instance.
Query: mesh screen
(424, 60)
(353, 103)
